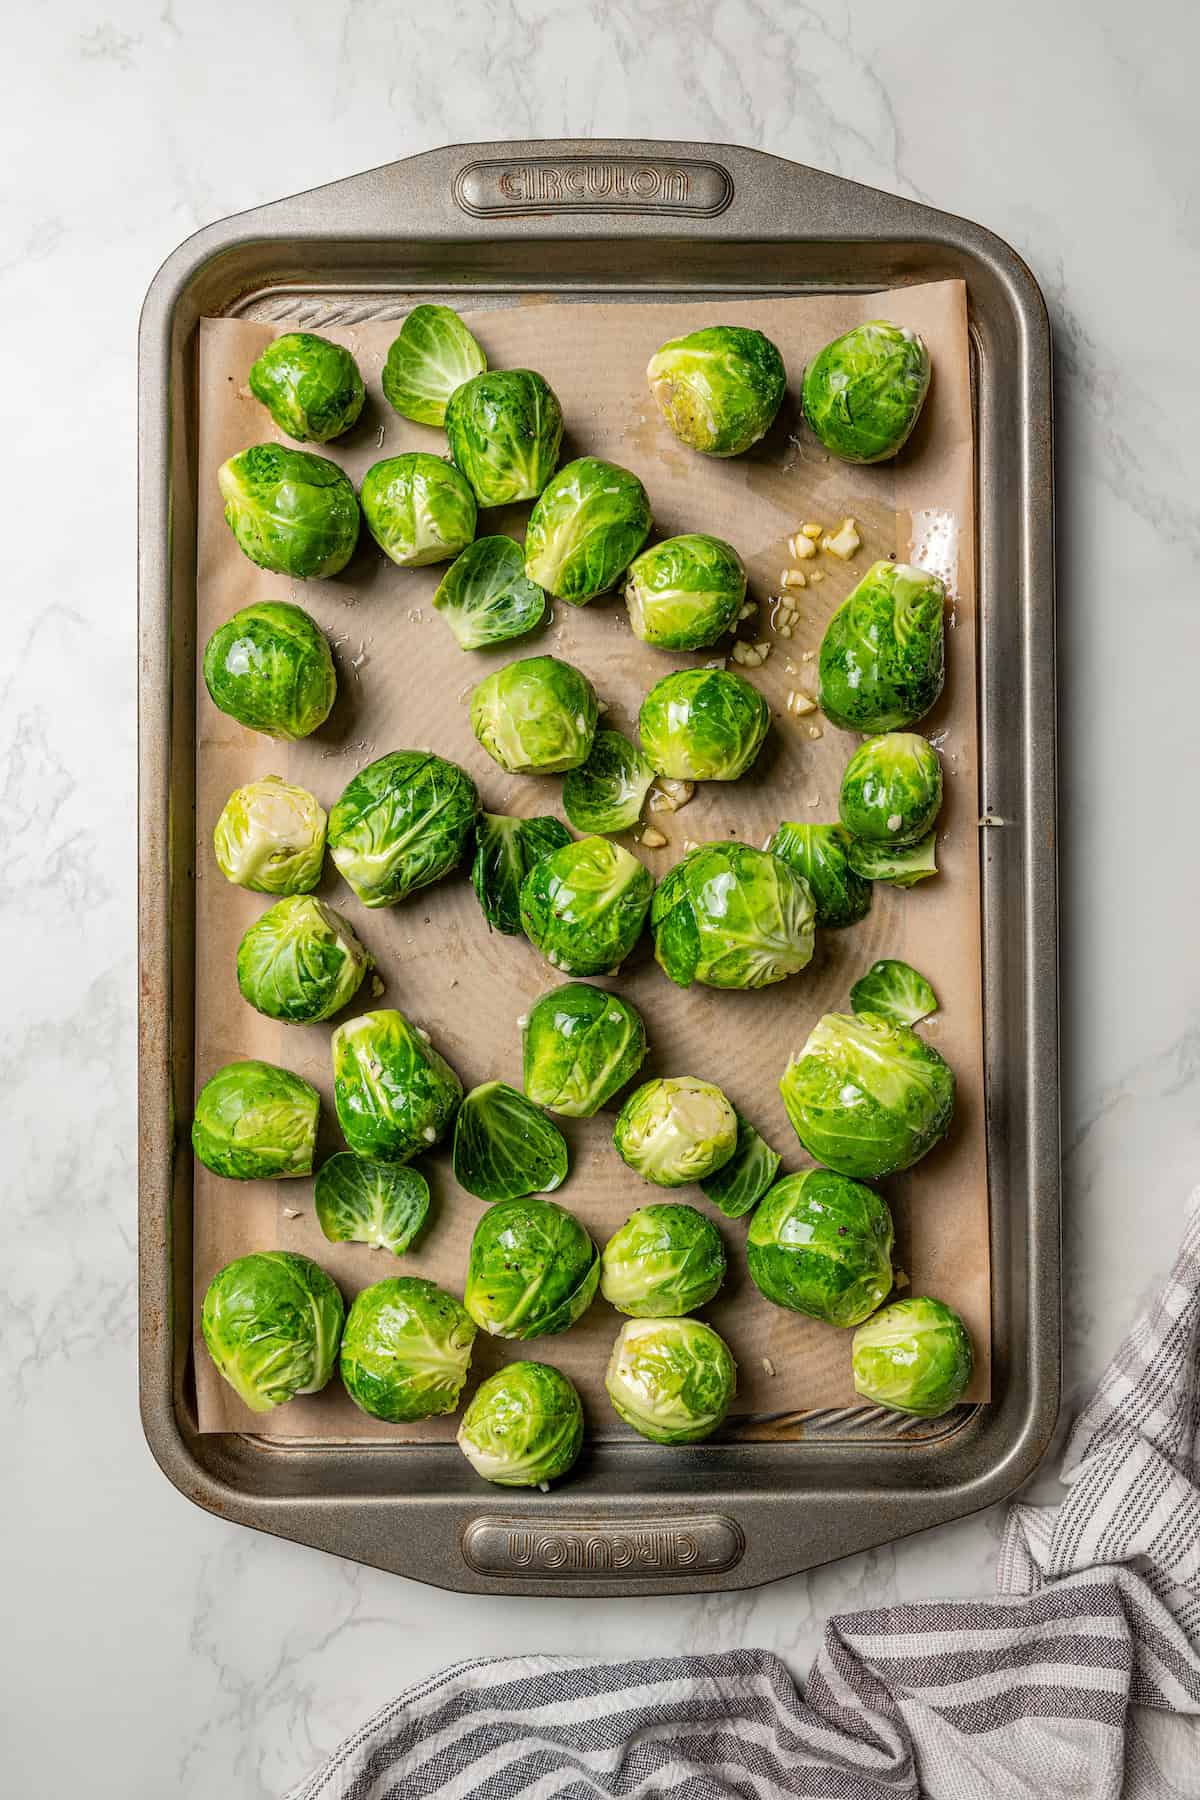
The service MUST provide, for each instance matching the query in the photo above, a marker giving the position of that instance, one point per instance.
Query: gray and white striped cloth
(1081, 1681)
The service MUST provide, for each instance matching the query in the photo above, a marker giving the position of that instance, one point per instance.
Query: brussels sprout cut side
(892, 789)
(505, 851)
(486, 597)
(731, 916)
(395, 1096)
(672, 1380)
(583, 906)
(665, 1261)
(290, 511)
(676, 1130)
(418, 509)
(505, 1147)
(718, 389)
(589, 523)
(270, 668)
(310, 386)
(607, 792)
(401, 823)
(867, 1097)
(406, 1350)
(532, 1270)
(504, 430)
(894, 991)
(820, 854)
(882, 658)
(685, 593)
(433, 355)
(738, 1185)
(536, 716)
(863, 393)
(581, 1045)
(900, 866)
(524, 1426)
(256, 1122)
(358, 1201)
(272, 1323)
(703, 725)
(270, 838)
(821, 1245)
(300, 962)
(914, 1357)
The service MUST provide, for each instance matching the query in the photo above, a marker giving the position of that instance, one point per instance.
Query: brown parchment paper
(403, 683)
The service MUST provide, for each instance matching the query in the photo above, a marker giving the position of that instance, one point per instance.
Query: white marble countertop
(150, 1649)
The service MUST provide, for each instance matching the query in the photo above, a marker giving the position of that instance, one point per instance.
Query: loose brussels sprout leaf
(883, 653)
(606, 792)
(901, 866)
(703, 725)
(290, 511)
(738, 1185)
(915, 1357)
(581, 1045)
(360, 1201)
(401, 823)
(505, 851)
(583, 906)
(310, 386)
(718, 389)
(418, 509)
(433, 355)
(505, 1147)
(665, 1261)
(394, 1095)
(892, 789)
(863, 393)
(255, 1122)
(895, 991)
(272, 1322)
(685, 593)
(504, 430)
(270, 838)
(270, 668)
(588, 525)
(867, 1097)
(524, 1426)
(820, 854)
(731, 916)
(300, 962)
(486, 597)
(675, 1130)
(821, 1245)
(673, 1380)
(406, 1350)
(536, 716)
(532, 1270)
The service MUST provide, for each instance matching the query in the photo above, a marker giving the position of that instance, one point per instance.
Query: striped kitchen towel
(1081, 1683)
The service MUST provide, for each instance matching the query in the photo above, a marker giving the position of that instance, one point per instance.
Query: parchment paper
(404, 684)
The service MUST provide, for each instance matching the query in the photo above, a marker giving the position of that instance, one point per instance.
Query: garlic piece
(843, 542)
(652, 839)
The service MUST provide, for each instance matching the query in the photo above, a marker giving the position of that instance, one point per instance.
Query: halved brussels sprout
(820, 855)
(863, 393)
(406, 1350)
(433, 355)
(256, 1122)
(738, 1185)
(395, 1096)
(892, 789)
(583, 906)
(675, 1130)
(821, 1245)
(505, 1147)
(505, 851)
(588, 525)
(731, 916)
(581, 1045)
(290, 511)
(703, 725)
(895, 991)
(673, 1380)
(914, 1356)
(606, 793)
(486, 597)
(524, 1426)
(270, 668)
(418, 509)
(867, 1097)
(402, 822)
(360, 1201)
(310, 386)
(685, 593)
(718, 389)
(882, 659)
(532, 1270)
(666, 1260)
(505, 429)
(300, 961)
(272, 1323)
(270, 838)
(536, 716)
(901, 865)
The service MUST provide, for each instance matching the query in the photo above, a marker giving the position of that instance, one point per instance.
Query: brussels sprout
(505, 1147)
(820, 854)
(486, 597)
(504, 430)
(406, 1350)
(394, 1095)
(536, 716)
(272, 1322)
(895, 991)
(738, 1185)
(607, 791)
(310, 386)
(915, 1357)
(863, 393)
(892, 789)
(703, 725)
(300, 962)
(270, 838)
(882, 655)
(583, 906)
(588, 525)
(524, 1426)
(718, 389)
(901, 865)
(731, 916)
(822, 1245)
(358, 1201)
(685, 593)
(402, 822)
(290, 511)
(418, 509)
(254, 1122)
(270, 668)
(673, 1380)
(675, 1130)
(505, 851)
(433, 355)
(666, 1260)
(532, 1270)
(581, 1045)
(867, 1097)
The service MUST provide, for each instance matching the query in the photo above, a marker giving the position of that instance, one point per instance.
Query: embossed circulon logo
(518, 1547)
(594, 184)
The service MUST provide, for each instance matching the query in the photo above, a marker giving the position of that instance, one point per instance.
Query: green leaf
(433, 355)
(505, 851)
(606, 793)
(901, 867)
(359, 1201)
(485, 596)
(505, 1147)
(895, 991)
(821, 855)
(738, 1185)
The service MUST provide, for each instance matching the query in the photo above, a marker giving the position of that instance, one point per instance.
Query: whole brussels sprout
(863, 393)
(272, 1322)
(606, 793)
(675, 1130)
(867, 1097)
(584, 905)
(673, 1380)
(532, 1270)
(401, 823)
(718, 389)
(433, 355)
(418, 508)
(685, 593)
(270, 838)
(310, 386)
(731, 916)
(892, 789)
(588, 525)
(505, 851)
(360, 1201)
(505, 429)
(300, 962)
(665, 1261)
(703, 725)
(394, 1095)
(290, 511)
(524, 1426)
(914, 1356)
(580, 1046)
(406, 1350)
(895, 991)
(270, 668)
(486, 597)
(820, 855)
(900, 865)
(821, 1245)
(882, 658)
(536, 716)
(739, 1184)
(505, 1147)
(256, 1122)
